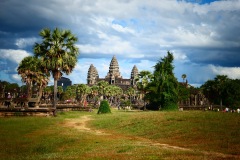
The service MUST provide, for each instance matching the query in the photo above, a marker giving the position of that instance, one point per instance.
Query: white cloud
(231, 72)
(139, 29)
(24, 42)
(109, 44)
(13, 55)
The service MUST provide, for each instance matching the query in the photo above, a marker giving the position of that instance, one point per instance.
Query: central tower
(113, 75)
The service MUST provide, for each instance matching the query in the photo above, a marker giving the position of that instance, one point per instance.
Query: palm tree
(58, 54)
(184, 76)
(60, 91)
(31, 73)
(220, 81)
(94, 94)
(82, 91)
(102, 88)
(144, 78)
(131, 92)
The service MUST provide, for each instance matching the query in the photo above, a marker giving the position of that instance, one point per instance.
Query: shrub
(104, 107)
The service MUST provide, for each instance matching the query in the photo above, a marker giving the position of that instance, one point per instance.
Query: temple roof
(114, 68)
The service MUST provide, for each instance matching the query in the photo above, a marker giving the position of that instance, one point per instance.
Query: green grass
(211, 131)
(131, 135)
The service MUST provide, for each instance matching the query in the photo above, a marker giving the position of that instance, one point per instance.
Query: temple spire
(113, 73)
(92, 75)
(134, 75)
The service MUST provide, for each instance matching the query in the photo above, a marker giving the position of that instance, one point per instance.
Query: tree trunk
(40, 91)
(55, 97)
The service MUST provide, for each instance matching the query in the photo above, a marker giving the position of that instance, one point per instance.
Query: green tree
(131, 93)
(60, 92)
(94, 94)
(70, 92)
(104, 107)
(164, 89)
(223, 91)
(102, 89)
(231, 93)
(112, 93)
(31, 73)
(219, 83)
(82, 91)
(58, 54)
(143, 80)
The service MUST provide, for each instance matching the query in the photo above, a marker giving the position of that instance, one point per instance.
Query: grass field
(122, 135)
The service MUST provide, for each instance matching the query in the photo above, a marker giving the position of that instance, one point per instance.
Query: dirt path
(81, 125)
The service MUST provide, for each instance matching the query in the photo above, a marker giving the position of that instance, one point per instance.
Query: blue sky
(203, 35)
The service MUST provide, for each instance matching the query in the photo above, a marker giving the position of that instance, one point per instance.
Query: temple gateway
(113, 76)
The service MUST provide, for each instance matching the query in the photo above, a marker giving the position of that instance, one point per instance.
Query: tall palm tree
(58, 54)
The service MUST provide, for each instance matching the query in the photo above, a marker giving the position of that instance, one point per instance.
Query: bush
(170, 107)
(104, 107)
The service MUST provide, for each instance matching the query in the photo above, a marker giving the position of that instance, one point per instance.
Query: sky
(203, 35)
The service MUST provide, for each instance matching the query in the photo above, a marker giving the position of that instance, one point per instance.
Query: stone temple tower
(92, 76)
(134, 75)
(113, 75)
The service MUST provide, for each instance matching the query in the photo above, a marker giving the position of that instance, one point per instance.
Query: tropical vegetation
(57, 53)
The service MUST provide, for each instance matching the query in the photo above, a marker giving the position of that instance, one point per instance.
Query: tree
(223, 91)
(112, 92)
(220, 81)
(104, 107)
(143, 79)
(57, 53)
(102, 89)
(231, 93)
(184, 76)
(60, 92)
(31, 73)
(82, 91)
(71, 92)
(164, 88)
(131, 92)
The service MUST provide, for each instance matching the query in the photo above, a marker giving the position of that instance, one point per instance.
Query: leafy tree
(31, 73)
(131, 93)
(219, 83)
(164, 88)
(112, 93)
(94, 94)
(82, 91)
(223, 91)
(143, 80)
(102, 89)
(58, 54)
(104, 107)
(70, 92)
(60, 92)
(231, 93)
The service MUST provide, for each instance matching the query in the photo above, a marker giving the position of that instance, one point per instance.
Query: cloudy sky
(203, 35)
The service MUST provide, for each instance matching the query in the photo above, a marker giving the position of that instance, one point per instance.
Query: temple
(113, 76)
